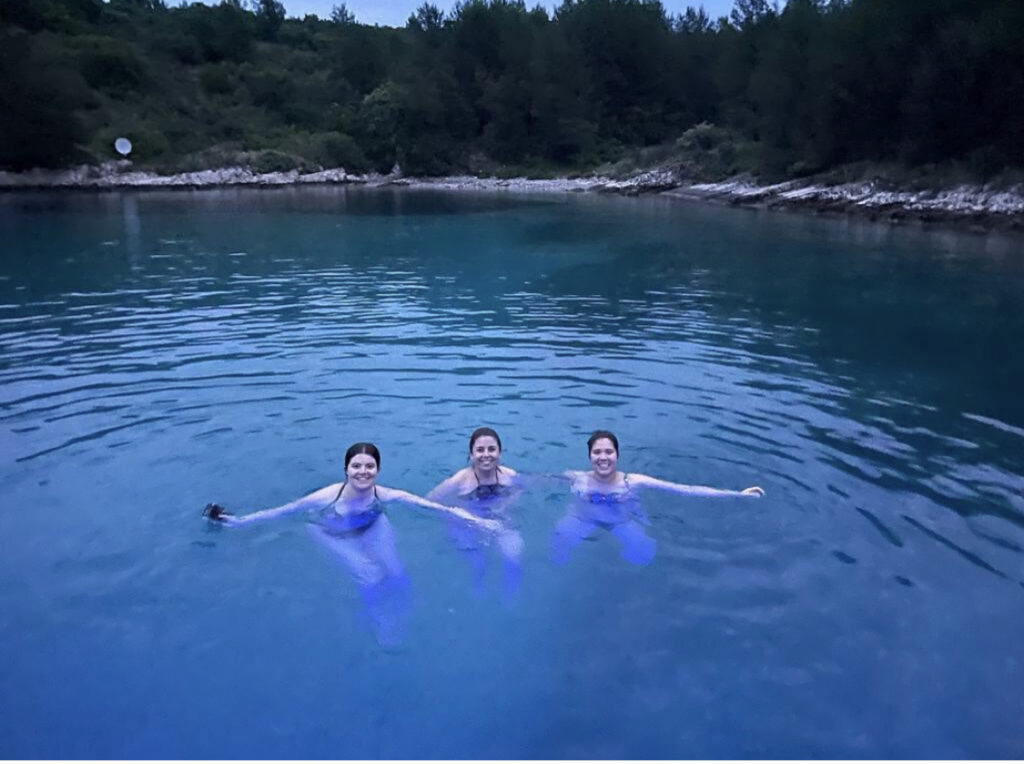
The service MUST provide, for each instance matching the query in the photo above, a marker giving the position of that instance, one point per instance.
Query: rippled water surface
(160, 351)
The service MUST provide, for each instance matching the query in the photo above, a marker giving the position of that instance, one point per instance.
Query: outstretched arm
(393, 494)
(446, 488)
(319, 498)
(691, 490)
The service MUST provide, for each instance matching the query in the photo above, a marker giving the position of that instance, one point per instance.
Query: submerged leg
(511, 576)
(389, 602)
(635, 545)
(509, 545)
(470, 544)
(350, 553)
(378, 542)
(569, 533)
(373, 564)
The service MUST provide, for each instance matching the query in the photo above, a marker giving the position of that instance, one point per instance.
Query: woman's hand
(217, 514)
(487, 525)
(754, 490)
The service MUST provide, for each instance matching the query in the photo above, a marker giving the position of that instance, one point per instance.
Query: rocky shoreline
(971, 205)
(975, 206)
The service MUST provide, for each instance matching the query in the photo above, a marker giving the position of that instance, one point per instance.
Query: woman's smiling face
(362, 471)
(604, 458)
(485, 453)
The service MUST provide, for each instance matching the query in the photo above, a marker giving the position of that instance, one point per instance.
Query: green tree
(562, 105)
(783, 87)
(340, 14)
(38, 124)
(269, 18)
(694, 91)
(224, 32)
(377, 124)
(625, 44)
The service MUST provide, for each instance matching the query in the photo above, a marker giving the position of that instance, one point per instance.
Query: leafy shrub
(28, 14)
(111, 65)
(570, 139)
(271, 160)
(703, 137)
(336, 149)
(62, 16)
(216, 78)
(221, 155)
(709, 152)
(43, 94)
(269, 88)
(223, 32)
(230, 124)
(180, 46)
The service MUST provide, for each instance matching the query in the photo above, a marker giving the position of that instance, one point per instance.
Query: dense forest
(494, 86)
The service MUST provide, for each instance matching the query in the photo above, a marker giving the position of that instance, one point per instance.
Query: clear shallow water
(164, 350)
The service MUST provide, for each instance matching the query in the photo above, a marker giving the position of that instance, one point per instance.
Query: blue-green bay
(164, 350)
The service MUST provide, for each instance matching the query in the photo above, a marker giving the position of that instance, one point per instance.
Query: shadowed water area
(163, 350)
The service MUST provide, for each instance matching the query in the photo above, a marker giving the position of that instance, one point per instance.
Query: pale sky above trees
(395, 12)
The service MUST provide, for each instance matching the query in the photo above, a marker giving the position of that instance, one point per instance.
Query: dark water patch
(162, 385)
(1001, 542)
(91, 436)
(85, 412)
(967, 555)
(786, 477)
(887, 533)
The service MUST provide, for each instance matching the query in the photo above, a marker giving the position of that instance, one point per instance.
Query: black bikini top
(488, 490)
(350, 520)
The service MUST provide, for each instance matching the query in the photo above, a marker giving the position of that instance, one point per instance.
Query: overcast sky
(395, 12)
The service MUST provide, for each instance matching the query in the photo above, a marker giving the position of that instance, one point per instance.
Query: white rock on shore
(961, 202)
(471, 183)
(119, 175)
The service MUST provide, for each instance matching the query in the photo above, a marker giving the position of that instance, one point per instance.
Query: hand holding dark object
(216, 512)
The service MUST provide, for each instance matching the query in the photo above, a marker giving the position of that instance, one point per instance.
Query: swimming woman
(348, 519)
(485, 488)
(605, 498)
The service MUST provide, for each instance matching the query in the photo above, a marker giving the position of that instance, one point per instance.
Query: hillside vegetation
(494, 86)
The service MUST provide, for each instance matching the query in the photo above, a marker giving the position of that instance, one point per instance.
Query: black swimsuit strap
(497, 481)
(342, 490)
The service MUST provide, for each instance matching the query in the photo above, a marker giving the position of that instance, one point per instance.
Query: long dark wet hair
(598, 434)
(480, 432)
(362, 448)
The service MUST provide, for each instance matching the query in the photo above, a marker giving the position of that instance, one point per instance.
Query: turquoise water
(163, 350)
